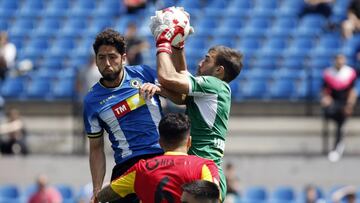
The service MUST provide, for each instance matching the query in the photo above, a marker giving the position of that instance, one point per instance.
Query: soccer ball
(176, 16)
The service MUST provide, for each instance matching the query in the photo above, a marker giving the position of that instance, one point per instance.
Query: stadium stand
(10, 193)
(57, 34)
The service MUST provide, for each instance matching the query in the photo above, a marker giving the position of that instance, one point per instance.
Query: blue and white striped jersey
(130, 121)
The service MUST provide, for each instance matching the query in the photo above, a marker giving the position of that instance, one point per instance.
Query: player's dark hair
(230, 59)
(174, 129)
(112, 38)
(203, 190)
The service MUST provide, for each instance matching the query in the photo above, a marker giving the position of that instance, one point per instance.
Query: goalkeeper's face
(110, 62)
(207, 65)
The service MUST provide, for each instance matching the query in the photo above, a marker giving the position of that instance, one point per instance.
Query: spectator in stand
(232, 181)
(312, 195)
(45, 193)
(352, 23)
(134, 5)
(338, 99)
(14, 128)
(345, 194)
(322, 7)
(7, 55)
(135, 45)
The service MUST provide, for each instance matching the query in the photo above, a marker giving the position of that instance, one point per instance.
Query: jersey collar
(174, 153)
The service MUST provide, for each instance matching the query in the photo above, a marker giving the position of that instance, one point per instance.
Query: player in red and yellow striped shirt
(159, 179)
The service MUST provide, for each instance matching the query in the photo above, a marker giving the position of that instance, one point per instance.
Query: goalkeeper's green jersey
(208, 107)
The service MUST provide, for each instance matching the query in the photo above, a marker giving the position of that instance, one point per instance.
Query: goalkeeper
(207, 96)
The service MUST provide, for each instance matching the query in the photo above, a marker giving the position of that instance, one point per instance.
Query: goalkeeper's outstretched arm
(168, 77)
(178, 59)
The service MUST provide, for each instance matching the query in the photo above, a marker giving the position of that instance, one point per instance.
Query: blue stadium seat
(64, 89)
(84, 4)
(9, 193)
(320, 62)
(29, 190)
(286, 23)
(36, 46)
(62, 46)
(279, 31)
(4, 24)
(9, 5)
(98, 25)
(258, 73)
(39, 89)
(242, 5)
(65, 190)
(259, 22)
(266, 62)
(53, 63)
(34, 4)
(218, 4)
(255, 193)
(312, 21)
(268, 4)
(282, 89)
(294, 6)
(302, 44)
(22, 25)
(289, 74)
(357, 87)
(72, 26)
(262, 13)
(275, 44)
(225, 41)
(283, 193)
(8, 9)
(233, 22)
(109, 9)
(59, 4)
(254, 89)
(196, 4)
(49, 26)
(13, 87)
(248, 45)
(304, 31)
(293, 62)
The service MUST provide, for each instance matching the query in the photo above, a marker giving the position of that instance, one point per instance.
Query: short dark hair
(230, 59)
(110, 37)
(174, 128)
(202, 189)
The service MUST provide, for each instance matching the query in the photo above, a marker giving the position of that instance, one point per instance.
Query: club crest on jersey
(135, 83)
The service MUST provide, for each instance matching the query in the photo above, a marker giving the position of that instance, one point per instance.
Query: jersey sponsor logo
(128, 105)
(155, 163)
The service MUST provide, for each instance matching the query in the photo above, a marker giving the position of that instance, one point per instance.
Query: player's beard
(111, 77)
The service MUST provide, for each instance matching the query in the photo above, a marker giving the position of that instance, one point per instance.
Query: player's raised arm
(178, 57)
(170, 27)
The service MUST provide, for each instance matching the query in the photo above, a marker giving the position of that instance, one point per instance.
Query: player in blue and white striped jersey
(114, 105)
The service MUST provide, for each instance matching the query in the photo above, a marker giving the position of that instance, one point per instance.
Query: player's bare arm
(178, 59)
(97, 162)
(175, 97)
(107, 194)
(168, 77)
